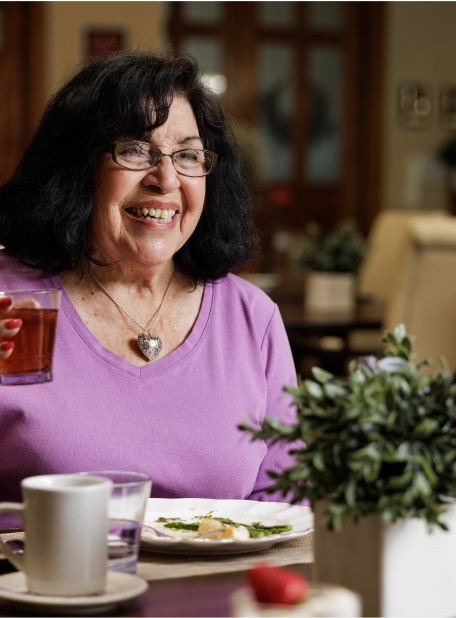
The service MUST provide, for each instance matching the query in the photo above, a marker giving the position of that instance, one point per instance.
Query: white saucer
(119, 587)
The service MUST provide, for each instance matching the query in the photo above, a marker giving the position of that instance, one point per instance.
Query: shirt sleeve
(279, 371)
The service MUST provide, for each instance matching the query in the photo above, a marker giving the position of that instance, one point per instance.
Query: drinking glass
(126, 508)
(31, 358)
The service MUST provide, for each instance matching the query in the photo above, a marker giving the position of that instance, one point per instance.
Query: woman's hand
(8, 328)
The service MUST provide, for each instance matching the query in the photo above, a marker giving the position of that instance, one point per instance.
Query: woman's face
(119, 229)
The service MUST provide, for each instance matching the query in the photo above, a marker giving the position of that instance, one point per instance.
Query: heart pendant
(150, 345)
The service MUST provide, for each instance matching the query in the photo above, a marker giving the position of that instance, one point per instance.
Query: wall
(66, 23)
(420, 45)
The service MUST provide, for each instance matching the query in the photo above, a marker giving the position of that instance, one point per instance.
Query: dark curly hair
(45, 206)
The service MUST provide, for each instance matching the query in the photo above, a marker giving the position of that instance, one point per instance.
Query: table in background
(305, 330)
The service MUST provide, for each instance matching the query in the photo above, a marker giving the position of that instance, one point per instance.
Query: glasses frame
(112, 150)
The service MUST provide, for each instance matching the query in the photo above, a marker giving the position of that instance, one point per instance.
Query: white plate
(243, 511)
(119, 587)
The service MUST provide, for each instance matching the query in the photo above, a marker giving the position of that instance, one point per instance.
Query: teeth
(162, 214)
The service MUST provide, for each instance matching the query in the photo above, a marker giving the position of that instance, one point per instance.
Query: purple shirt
(175, 419)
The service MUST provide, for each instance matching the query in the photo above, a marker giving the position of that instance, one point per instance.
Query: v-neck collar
(152, 369)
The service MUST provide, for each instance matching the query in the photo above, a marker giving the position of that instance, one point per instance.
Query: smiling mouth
(153, 214)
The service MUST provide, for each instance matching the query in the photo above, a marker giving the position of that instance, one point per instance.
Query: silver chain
(148, 330)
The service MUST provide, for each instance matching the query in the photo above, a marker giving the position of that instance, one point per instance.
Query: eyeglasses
(142, 156)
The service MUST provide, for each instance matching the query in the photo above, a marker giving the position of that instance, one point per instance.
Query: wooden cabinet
(303, 88)
(21, 79)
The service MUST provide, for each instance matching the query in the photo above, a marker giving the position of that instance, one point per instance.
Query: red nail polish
(8, 345)
(13, 324)
(5, 301)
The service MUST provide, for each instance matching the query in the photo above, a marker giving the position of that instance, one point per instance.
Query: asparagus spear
(256, 529)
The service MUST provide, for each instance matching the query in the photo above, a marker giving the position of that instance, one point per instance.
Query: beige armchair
(423, 288)
(390, 239)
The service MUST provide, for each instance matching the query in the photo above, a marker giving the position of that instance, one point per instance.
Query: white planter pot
(329, 292)
(398, 569)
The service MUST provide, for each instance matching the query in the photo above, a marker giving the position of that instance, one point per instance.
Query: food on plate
(255, 529)
(278, 585)
(225, 531)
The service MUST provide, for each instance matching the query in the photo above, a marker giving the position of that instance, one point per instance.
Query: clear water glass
(126, 514)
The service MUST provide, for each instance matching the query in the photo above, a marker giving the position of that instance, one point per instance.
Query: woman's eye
(187, 155)
(133, 150)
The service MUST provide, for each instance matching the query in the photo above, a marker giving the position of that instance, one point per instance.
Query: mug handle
(15, 558)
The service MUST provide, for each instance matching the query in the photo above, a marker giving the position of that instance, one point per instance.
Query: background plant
(382, 440)
(342, 251)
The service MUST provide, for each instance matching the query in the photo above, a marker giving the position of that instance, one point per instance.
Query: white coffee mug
(66, 522)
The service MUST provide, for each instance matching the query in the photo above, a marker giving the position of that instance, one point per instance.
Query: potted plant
(379, 468)
(331, 263)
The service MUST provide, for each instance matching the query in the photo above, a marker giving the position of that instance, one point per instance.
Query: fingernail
(8, 345)
(13, 324)
(5, 301)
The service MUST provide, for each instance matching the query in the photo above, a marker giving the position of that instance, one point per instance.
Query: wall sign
(415, 105)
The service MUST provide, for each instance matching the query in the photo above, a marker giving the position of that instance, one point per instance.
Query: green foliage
(342, 251)
(382, 440)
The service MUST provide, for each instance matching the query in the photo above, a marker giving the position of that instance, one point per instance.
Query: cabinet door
(21, 79)
(301, 84)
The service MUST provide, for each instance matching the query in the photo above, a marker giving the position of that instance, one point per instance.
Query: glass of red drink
(31, 358)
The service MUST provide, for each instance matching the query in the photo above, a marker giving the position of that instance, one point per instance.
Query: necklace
(150, 345)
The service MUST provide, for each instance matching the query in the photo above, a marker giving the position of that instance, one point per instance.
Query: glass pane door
(276, 102)
(324, 150)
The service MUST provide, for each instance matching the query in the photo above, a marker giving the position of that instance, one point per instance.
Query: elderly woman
(132, 201)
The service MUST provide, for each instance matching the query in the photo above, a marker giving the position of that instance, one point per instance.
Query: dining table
(182, 585)
(325, 336)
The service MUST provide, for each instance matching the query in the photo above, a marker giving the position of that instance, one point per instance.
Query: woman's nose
(163, 176)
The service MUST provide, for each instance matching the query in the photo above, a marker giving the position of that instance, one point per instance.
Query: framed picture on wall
(103, 42)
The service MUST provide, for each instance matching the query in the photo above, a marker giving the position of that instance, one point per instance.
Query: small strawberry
(277, 585)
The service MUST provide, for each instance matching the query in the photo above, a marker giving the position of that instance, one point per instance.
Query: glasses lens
(136, 155)
(142, 156)
(193, 162)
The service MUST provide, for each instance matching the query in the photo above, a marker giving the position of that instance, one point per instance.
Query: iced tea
(34, 343)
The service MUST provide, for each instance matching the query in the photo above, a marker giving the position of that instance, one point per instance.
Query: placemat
(152, 566)
(9, 537)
